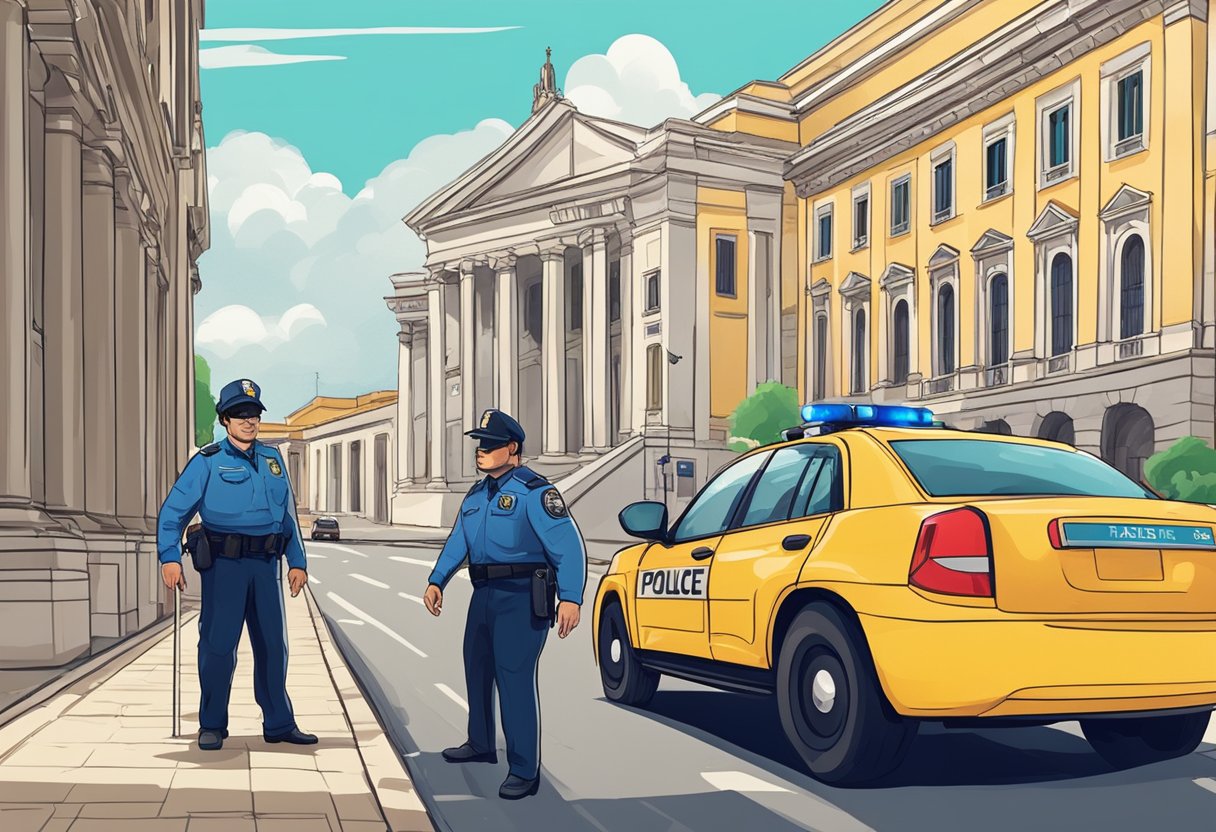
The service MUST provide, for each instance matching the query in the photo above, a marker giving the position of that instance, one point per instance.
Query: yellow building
(1001, 211)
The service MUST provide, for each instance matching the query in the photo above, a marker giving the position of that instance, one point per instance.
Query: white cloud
(225, 331)
(225, 57)
(293, 34)
(637, 81)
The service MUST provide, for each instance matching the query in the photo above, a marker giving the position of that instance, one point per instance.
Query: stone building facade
(103, 198)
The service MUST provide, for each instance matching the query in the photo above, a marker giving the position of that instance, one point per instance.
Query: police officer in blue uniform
(239, 487)
(522, 548)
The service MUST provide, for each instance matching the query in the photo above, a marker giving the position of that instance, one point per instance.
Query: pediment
(1052, 222)
(1125, 199)
(855, 285)
(821, 287)
(991, 242)
(943, 256)
(896, 275)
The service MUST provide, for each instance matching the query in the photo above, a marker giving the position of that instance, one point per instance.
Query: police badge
(247, 387)
(506, 502)
(275, 468)
(553, 503)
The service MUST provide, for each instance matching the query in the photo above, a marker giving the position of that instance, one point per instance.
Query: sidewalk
(100, 755)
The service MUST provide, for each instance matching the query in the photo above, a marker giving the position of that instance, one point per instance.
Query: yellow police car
(877, 569)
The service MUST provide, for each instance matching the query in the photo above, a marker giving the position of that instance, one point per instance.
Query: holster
(199, 547)
(544, 594)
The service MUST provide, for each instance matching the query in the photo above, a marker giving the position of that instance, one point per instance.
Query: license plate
(1138, 536)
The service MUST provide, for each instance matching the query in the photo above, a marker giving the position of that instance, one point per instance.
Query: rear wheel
(832, 708)
(624, 677)
(1138, 741)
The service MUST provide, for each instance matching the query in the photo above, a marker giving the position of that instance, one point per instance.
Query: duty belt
(244, 545)
(480, 572)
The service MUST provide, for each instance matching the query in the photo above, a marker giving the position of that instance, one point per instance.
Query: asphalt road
(698, 759)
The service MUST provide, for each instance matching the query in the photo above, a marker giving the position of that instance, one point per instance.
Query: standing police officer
(515, 532)
(240, 489)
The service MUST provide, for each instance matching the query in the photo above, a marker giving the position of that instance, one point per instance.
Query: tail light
(953, 554)
(1053, 534)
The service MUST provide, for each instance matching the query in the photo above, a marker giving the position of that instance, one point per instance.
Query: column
(468, 362)
(553, 351)
(150, 357)
(15, 329)
(635, 275)
(405, 405)
(628, 299)
(63, 311)
(129, 389)
(595, 344)
(99, 423)
(437, 406)
(506, 335)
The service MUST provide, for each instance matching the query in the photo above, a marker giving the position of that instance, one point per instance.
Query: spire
(546, 90)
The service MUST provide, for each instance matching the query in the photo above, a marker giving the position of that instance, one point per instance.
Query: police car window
(821, 489)
(774, 494)
(712, 510)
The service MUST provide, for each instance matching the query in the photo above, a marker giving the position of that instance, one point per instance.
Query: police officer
(513, 528)
(239, 487)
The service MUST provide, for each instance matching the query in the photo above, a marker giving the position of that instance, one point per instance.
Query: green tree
(204, 406)
(1184, 471)
(760, 418)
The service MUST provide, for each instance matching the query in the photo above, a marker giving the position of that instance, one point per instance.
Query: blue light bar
(877, 415)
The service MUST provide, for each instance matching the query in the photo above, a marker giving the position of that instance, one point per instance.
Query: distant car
(325, 528)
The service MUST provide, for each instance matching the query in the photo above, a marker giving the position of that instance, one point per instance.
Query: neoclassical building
(617, 289)
(104, 202)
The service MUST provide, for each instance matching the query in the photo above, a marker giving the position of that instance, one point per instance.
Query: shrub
(1184, 471)
(760, 418)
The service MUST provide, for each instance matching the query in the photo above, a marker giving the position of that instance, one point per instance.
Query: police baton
(177, 660)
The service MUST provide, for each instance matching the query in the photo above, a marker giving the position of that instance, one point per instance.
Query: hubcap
(614, 650)
(823, 691)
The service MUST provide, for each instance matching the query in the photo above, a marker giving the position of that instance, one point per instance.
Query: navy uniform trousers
(502, 644)
(239, 591)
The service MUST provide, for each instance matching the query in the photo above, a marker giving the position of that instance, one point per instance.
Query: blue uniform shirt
(233, 491)
(524, 522)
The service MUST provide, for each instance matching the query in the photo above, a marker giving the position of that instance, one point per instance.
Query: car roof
(891, 434)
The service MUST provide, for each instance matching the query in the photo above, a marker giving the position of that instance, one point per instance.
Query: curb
(399, 803)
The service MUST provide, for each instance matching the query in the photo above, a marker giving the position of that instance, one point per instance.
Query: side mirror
(647, 520)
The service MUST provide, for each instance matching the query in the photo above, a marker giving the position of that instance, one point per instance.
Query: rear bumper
(1019, 668)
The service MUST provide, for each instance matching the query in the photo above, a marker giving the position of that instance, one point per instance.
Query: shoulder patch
(553, 503)
(533, 480)
(210, 450)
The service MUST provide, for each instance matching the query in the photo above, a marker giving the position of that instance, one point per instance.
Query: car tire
(626, 680)
(1136, 741)
(831, 704)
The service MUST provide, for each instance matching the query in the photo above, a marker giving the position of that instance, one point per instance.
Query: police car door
(764, 551)
(672, 588)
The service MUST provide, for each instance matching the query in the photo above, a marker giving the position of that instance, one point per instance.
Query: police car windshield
(984, 467)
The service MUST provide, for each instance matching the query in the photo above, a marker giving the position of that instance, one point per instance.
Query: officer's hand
(171, 574)
(568, 614)
(296, 578)
(433, 599)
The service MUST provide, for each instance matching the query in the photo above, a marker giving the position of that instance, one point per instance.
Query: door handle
(701, 553)
(795, 542)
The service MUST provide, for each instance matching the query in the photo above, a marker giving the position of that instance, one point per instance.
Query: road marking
(319, 555)
(350, 621)
(313, 580)
(358, 613)
(461, 573)
(338, 548)
(1206, 783)
(413, 598)
(738, 781)
(368, 580)
(451, 694)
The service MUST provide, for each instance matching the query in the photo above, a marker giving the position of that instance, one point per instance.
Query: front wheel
(624, 677)
(832, 708)
(1138, 741)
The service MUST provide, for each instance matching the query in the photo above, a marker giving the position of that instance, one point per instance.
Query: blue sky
(313, 163)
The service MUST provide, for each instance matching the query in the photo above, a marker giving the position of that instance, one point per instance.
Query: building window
(1131, 289)
(1130, 116)
(614, 290)
(900, 331)
(1126, 93)
(576, 298)
(1058, 154)
(861, 219)
(821, 355)
(945, 329)
(998, 320)
(860, 381)
(943, 189)
(652, 292)
(900, 203)
(149, 10)
(724, 263)
(356, 477)
(1061, 304)
(996, 163)
(654, 377)
(533, 311)
(823, 232)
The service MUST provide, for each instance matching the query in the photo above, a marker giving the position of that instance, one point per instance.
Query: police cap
(495, 430)
(241, 392)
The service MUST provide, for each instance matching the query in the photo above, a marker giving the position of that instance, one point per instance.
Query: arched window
(1061, 304)
(654, 377)
(900, 328)
(1131, 290)
(998, 320)
(821, 355)
(860, 382)
(945, 329)
(1128, 438)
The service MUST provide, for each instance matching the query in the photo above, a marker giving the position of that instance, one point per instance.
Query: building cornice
(749, 104)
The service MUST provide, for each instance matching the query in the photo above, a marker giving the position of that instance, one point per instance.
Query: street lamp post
(672, 359)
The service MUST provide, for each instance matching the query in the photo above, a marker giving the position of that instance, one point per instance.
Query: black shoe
(513, 788)
(467, 754)
(295, 736)
(209, 740)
